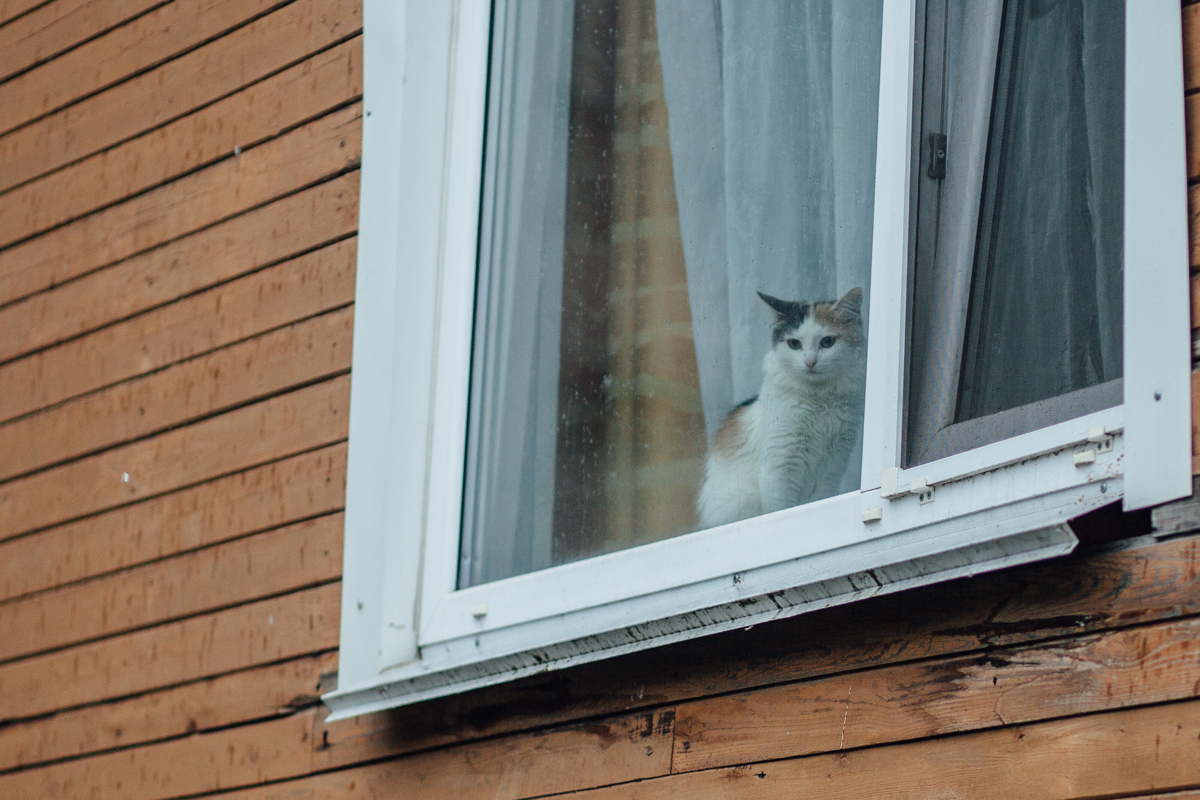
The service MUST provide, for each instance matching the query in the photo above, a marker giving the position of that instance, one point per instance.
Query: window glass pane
(1017, 318)
(651, 168)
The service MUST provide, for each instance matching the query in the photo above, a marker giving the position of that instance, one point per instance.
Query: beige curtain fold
(631, 434)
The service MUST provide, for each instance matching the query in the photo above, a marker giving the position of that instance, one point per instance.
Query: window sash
(409, 634)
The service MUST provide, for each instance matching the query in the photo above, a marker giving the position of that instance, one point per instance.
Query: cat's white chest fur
(791, 445)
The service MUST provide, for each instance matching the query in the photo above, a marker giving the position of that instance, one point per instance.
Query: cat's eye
(827, 342)
(794, 344)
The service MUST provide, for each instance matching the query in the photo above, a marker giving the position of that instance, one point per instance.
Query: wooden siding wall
(178, 200)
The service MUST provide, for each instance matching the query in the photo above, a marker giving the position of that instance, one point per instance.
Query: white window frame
(409, 634)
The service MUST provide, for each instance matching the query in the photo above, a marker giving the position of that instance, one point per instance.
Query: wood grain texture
(1191, 47)
(59, 26)
(1195, 421)
(304, 221)
(262, 301)
(126, 50)
(232, 312)
(244, 120)
(248, 502)
(176, 88)
(200, 763)
(10, 9)
(283, 560)
(892, 704)
(280, 426)
(602, 751)
(1066, 597)
(299, 159)
(278, 629)
(239, 697)
(1101, 755)
(279, 361)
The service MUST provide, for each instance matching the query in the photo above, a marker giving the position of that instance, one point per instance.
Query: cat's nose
(811, 361)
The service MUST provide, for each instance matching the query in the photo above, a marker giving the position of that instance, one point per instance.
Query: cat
(791, 443)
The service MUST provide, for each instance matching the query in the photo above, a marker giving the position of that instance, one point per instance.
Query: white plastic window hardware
(872, 514)
(1085, 457)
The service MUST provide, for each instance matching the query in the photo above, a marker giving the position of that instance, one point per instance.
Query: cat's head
(816, 342)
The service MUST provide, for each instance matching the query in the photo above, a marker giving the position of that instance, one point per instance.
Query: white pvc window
(498, 285)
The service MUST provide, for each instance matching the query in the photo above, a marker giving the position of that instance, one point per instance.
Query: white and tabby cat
(791, 443)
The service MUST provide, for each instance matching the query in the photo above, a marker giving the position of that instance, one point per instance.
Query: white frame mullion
(1157, 368)
(884, 411)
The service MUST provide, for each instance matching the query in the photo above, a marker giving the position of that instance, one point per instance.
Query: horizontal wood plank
(278, 629)
(283, 560)
(1065, 597)
(1101, 755)
(279, 361)
(59, 26)
(243, 120)
(318, 151)
(10, 9)
(318, 281)
(599, 752)
(204, 762)
(238, 697)
(281, 426)
(248, 502)
(128, 49)
(892, 704)
(304, 221)
(1195, 418)
(176, 88)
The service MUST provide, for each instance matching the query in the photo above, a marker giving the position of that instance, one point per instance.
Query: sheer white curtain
(510, 491)
(773, 107)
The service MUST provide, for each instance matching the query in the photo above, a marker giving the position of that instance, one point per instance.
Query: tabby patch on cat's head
(843, 316)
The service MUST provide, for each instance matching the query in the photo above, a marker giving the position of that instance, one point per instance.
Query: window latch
(937, 156)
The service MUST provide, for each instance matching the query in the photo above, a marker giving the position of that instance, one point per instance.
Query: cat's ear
(780, 307)
(849, 307)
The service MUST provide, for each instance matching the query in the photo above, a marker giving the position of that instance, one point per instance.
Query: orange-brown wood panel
(1194, 222)
(282, 229)
(1100, 755)
(262, 301)
(126, 50)
(283, 425)
(10, 9)
(278, 361)
(1191, 47)
(295, 557)
(247, 502)
(264, 632)
(241, 756)
(238, 697)
(59, 26)
(533, 765)
(1077, 676)
(305, 156)
(263, 110)
(178, 87)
